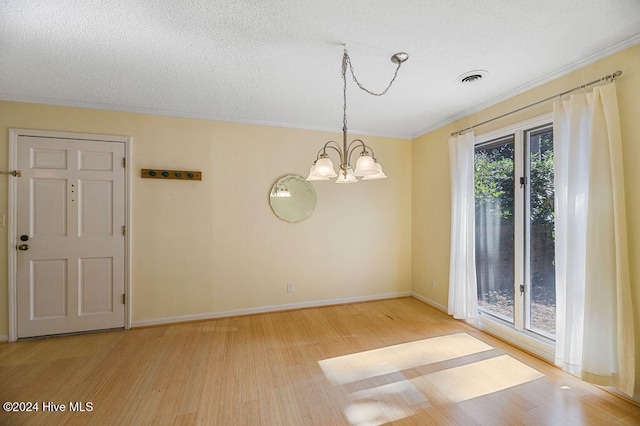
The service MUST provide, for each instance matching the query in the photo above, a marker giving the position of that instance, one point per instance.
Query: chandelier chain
(346, 60)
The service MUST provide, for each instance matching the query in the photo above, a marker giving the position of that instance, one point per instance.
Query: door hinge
(124, 230)
(124, 298)
(124, 162)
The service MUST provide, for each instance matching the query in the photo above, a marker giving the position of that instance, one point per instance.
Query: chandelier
(367, 165)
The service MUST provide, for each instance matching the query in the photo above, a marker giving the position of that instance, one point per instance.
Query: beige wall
(213, 246)
(430, 194)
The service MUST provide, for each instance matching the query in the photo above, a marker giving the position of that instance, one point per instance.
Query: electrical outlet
(433, 283)
(289, 287)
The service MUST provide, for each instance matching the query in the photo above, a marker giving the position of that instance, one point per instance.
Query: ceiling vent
(472, 76)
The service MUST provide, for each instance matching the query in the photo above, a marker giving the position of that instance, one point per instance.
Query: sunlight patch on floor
(377, 362)
(382, 404)
(370, 403)
(473, 380)
(373, 413)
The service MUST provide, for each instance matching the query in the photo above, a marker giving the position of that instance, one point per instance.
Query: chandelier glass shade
(367, 165)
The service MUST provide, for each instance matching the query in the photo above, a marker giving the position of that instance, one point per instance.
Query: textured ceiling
(278, 62)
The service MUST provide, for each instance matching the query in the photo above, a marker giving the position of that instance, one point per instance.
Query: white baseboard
(4, 338)
(429, 302)
(266, 309)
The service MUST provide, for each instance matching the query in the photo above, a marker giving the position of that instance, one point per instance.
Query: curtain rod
(582, 86)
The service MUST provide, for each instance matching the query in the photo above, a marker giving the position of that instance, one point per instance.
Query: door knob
(23, 247)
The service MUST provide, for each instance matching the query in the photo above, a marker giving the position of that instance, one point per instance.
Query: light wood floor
(395, 361)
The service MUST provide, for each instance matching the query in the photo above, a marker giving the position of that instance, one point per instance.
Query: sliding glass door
(514, 199)
(540, 279)
(495, 233)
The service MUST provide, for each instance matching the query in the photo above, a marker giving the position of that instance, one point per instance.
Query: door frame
(13, 211)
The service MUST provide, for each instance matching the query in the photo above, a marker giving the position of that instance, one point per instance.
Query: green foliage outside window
(494, 181)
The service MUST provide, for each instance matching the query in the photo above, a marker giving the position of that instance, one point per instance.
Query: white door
(70, 268)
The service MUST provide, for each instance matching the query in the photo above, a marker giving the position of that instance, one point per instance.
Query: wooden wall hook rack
(171, 174)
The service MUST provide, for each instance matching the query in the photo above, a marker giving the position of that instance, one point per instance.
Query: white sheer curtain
(594, 320)
(463, 292)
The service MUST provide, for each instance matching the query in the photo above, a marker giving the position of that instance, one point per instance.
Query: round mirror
(292, 198)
